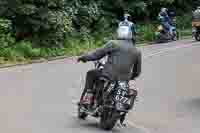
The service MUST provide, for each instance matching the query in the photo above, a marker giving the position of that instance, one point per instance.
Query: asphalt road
(41, 98)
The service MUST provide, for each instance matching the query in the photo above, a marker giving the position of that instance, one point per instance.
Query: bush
(6, 40)
(184, 22)
(5, 25)
(77, 47)
(24, 49)
(39, 19)
(145, 32)
(51, 52)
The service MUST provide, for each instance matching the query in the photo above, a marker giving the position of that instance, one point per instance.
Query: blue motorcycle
(163, 35)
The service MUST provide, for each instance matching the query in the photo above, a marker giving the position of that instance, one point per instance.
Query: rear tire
(108, 121)
(174, 36)
(197, 36)
(161, 38)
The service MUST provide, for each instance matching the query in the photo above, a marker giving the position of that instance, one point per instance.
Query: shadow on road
(92, 125)
(193, 104)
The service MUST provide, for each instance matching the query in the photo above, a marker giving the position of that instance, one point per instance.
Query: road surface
(41, 98)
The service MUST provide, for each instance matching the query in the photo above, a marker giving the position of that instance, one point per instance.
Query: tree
(49, 22)
(43, 21)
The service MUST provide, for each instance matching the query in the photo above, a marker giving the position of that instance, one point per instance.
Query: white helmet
(163, 9)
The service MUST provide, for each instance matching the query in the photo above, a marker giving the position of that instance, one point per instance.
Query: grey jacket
(123, 62)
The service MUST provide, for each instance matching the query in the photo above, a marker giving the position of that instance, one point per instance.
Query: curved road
(41, 98)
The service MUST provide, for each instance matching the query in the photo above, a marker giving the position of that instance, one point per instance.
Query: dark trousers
(91, 77)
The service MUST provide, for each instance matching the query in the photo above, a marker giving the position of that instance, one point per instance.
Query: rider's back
(122, 59)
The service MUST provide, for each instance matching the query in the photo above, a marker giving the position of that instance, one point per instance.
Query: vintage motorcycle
(164, 36)
(196, 29)
(111, 102)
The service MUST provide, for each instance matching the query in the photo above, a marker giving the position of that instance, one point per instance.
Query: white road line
(169, 49)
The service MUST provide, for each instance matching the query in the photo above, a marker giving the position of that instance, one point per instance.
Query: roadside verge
(42, 60)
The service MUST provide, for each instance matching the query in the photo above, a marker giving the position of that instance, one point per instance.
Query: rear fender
(121, 107)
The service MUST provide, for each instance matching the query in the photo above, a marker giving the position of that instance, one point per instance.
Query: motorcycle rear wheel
(109, 119)
(174, 37)
(197, 36)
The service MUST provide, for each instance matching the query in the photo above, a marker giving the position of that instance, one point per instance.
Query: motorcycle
(196, 30)
(111, 102)
(196, 25)
(164, 36)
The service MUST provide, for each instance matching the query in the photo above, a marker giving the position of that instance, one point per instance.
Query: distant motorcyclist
(172, 16)
(198, 9)
(196, 24)
(123, 63)
(196, 14)
(165, 20)
(171, 13)
(127, 22)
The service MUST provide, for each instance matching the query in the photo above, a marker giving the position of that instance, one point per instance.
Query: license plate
(122, 99)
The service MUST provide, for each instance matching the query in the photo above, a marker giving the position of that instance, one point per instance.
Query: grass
(24, 52)
(184, 33)
(77, 47)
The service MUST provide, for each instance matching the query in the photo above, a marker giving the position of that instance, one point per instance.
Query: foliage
(38, 19)
(6, 38)
(145, 32)
(31, 29)
(48, 22)
(184, 21)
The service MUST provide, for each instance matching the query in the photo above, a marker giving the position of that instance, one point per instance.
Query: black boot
(122, 120)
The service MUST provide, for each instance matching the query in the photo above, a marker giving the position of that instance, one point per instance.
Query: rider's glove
(82, 59)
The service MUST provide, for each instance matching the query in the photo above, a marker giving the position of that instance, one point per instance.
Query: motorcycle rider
(198, 9)
(196, 13)
(165, 20)
(123, 63)
(196, 23)
(127, 21)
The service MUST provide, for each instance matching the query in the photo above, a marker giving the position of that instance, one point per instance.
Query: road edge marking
(168, 50)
